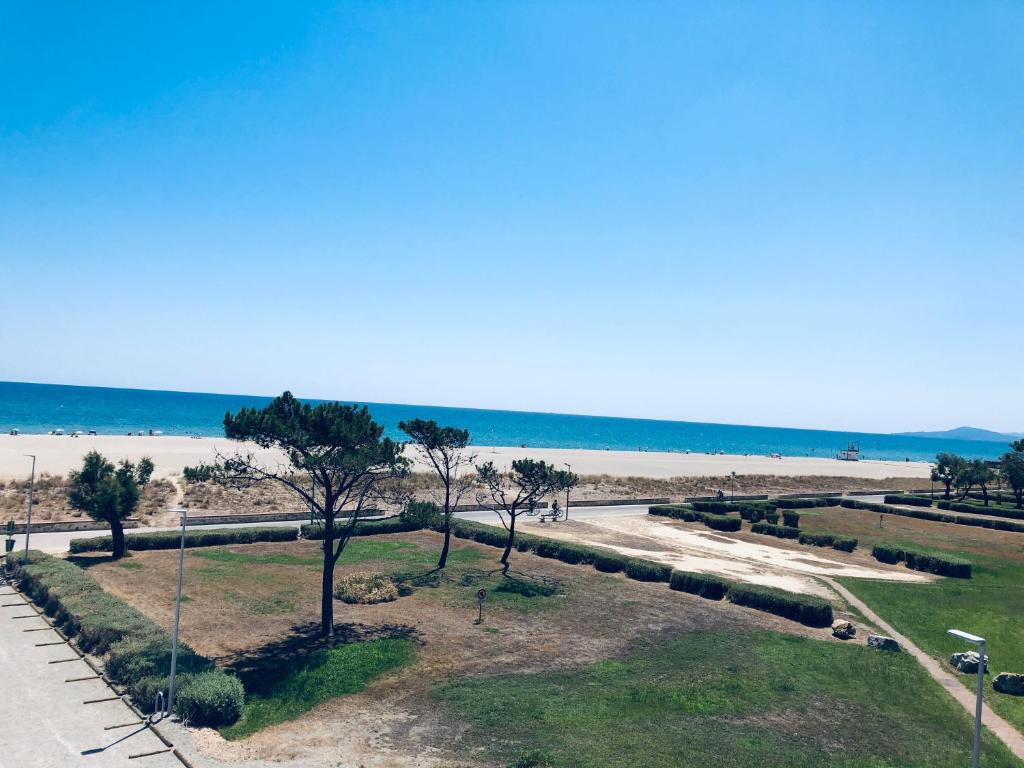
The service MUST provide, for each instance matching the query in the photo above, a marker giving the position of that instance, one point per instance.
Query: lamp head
(966, 636)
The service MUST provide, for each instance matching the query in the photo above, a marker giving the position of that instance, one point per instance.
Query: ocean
(39, 408)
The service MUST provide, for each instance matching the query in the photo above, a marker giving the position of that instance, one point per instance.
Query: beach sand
(57, 455)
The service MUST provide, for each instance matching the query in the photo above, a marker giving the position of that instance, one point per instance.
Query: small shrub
(771, 516)
(715, 507)
(365, 588)
(422, 514)
(791, 518)
(646, 570)
(610, 562)
(809, 610)
(844, 543)
(702, 584)
(886, 554)
(817, 539)
(211, 698)
(722, 522)
(920, 561)
(394, 524)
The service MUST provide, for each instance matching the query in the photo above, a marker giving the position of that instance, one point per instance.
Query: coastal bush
(137, 648)
(914, 501)
(806, 609)
(780, 531)
(422, 514)
(921, 561)
(791, 518)
(702, 584)
(140, 542)
(212, 699)
(646, 570)
(844, 543)
(365, 588)
(610, 562)
(691, 514)
(394, 524)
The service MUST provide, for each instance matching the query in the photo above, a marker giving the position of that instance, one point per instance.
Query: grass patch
(261, 558)
(315, 678)
(703, 699)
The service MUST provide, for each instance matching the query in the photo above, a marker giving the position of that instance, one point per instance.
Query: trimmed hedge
(717, 507)
(394, 524)
(646, 570)
(138, 650)
(702, 584)
(791, 519)
(610, 562)
(807, 609)
(806, 503)
(914, 501)
(781, 531)
(842, 543)
(978, 509)
(938, 517)
(755, 511)
(215, 537)
(920, 561)
(691, 514)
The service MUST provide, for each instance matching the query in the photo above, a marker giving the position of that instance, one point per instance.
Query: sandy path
(59, 454)
(717, 553)
(1005, 732)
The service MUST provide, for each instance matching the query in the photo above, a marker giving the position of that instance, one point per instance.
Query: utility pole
(177, 614)
(569, 468)
(31, 490)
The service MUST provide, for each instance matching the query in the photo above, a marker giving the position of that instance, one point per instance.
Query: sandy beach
(58, 454)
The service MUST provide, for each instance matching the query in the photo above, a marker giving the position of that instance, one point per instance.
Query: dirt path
(706, 551)
(1005, 732)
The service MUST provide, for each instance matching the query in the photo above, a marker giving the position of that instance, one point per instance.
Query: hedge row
(756, 511)
(702, 584)
(809, 610)
(692, 515)
(396, 524)
(842, 543)
(914, 501)
(807, 503)
(140, 542)
(938, 517)
(791, 518)
(977, 509)
(138, 650)
(781, 531)
(920, 561)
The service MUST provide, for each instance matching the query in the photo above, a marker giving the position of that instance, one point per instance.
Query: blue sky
(800, 214)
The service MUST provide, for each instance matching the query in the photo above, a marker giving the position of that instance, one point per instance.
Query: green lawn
(302, 684)
(990, 604)
(761, 700)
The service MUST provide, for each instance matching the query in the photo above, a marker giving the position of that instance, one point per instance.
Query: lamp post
(31, 489)
(177, 613)
(569, 468)
(732, 493)
(980, 642)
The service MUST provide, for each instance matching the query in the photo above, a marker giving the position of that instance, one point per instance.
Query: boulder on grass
(883, 643)
(967, 662)
(843, 629)
(1008, 682)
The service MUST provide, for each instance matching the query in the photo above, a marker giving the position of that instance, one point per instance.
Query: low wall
(616, 502)
(728, 497)
(85, 525)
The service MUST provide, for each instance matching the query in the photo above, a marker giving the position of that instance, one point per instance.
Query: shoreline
(59, 454)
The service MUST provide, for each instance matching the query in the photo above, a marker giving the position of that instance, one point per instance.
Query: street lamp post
(569, 468)
(31, 489)
(732, 493)
(980, 642)
(177, 613)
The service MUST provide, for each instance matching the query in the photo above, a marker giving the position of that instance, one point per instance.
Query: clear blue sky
(801, 214)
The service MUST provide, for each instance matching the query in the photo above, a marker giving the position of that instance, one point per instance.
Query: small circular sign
(481, 594)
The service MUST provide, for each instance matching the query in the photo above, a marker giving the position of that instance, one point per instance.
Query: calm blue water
(38, 408)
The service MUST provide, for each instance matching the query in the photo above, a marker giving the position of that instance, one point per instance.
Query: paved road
(43, 720)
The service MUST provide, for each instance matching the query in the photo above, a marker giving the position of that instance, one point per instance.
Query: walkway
(1005, 732)
(47, 721)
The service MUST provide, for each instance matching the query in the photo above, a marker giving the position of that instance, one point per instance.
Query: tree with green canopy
(947, 469)
(445, 450)
(109, 494)
(975, 472)
(1011, 469)
(338, 448)
(520, 490)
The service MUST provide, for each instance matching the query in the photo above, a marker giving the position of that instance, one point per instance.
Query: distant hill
(968, 433)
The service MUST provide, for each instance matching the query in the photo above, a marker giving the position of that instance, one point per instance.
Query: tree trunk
(1020, 498)
(327, 584)
(948, 486)
(984, 494)
(508, 544)
(447, 542)
(117, 537)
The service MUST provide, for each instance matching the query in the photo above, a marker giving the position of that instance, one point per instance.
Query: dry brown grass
(51, 499)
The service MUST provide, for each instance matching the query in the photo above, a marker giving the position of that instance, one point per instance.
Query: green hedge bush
(610, 562)
(394, 524)
(691, 514)
(211, 698)
(780, 531)
(646, 570)
(755, 511)
(214, 537)
(807, 503)
(914, 501)
(844, 543)
(921, 561)
(807, 609)
(138, 650)
(703, 584)
(715, 507)
(938, 517)
(791, 519)
(978, 509)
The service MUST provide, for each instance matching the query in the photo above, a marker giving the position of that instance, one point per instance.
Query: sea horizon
(37, 408)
